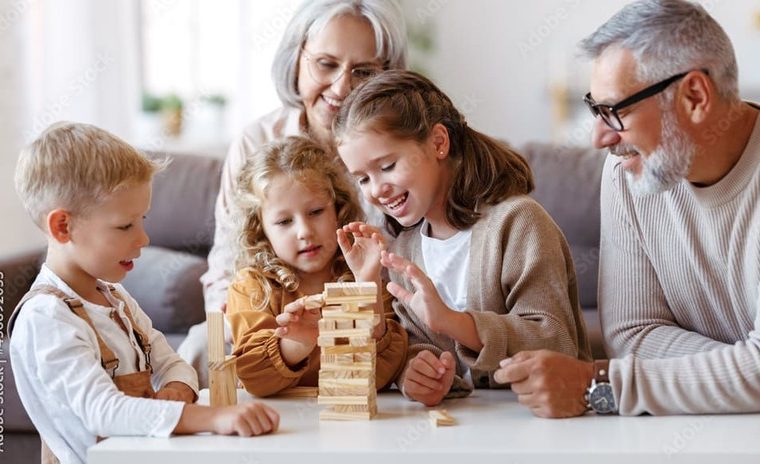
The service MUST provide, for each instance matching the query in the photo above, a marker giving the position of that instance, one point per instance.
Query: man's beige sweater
(678, 292)
(521, 291)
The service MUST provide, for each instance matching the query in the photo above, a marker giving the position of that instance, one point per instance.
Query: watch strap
(601, 370)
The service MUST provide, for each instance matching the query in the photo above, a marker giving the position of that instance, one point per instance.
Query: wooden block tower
(221, 368)
(347, 363)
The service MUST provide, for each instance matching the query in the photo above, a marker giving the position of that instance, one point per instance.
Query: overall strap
(108, 359)
(142, 338)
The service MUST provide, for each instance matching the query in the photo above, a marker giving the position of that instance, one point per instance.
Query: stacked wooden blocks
(222, 378)
(347, 363)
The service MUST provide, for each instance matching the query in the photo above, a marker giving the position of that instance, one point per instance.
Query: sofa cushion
(166, 285)
(568, 181)
(182, 208)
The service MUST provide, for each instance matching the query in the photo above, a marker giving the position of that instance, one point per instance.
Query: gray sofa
(181, 224)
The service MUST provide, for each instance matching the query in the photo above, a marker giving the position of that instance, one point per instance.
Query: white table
(492, 427)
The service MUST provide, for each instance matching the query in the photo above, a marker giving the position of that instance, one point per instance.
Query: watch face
(601, 399)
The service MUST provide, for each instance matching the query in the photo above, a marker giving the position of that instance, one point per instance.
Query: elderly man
(680, 252)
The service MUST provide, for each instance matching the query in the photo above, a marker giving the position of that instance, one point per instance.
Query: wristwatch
(600, 397)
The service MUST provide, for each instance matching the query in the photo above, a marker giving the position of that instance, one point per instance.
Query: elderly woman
(329, 47)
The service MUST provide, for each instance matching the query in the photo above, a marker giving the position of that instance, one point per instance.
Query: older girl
(480, 269)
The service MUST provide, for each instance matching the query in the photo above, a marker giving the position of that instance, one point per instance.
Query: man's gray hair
(384, 16)
(668, 37)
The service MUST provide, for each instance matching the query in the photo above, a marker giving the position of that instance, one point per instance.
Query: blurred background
(186, 76)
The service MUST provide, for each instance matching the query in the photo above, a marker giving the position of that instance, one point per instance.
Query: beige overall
(136, 384)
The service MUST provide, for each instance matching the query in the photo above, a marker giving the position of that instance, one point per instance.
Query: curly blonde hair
(303, 160)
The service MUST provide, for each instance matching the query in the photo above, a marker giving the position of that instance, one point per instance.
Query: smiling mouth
(397, 202)
(332, 102)
(311, 249)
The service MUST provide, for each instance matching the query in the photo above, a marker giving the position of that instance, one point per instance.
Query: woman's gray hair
(668, 37)
(384, 16)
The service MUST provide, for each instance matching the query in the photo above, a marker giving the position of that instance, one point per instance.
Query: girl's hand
(425, 301)
(298, 324)
(363, 255)
(427, 378)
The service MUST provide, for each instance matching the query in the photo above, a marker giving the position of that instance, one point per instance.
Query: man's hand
(427, 378)
(551, 384)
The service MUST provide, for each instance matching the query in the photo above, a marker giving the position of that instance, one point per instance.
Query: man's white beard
(668, 164)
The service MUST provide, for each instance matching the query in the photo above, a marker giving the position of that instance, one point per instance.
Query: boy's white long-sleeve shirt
(68, 395)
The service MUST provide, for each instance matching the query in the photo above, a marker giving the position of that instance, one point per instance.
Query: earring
(440, 152)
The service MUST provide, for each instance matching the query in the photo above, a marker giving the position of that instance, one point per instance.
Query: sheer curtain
(62, 60)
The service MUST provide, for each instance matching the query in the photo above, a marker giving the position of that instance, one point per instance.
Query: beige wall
(499, 58)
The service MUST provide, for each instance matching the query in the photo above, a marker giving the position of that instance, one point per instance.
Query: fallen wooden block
(440, 417)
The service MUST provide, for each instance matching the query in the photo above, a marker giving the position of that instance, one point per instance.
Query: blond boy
(85, 356)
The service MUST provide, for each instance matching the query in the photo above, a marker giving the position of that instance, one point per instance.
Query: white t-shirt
(447, 263)
(68, 395)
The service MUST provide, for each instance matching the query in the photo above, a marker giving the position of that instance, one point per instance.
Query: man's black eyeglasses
(609, 113)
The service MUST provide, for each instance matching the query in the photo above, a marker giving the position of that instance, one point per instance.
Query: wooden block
(343, 324)
(346, 360)
(327, 324)
(345, 333)
(357, 366)
(223, 384)
(298, 392)
(215, 336)
(349, 289)
(342, 399)
(368, 323)
(441, 417)
(345, 387)
(345, 349)
(222, 365)
(360, 341)
(340, 314)
(314, 301)
(330, 414)
(358, 300)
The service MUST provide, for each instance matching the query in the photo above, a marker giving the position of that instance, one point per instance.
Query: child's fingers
(274, 417)
(295, 307)
(422, 380)
(418, 278)
(413, 388)
(286, 318)
(402, 294)
(262, 419)
(280, 332)
(378, 237)
(343, 242)
(447, 359)
(392, 261)
(428, 364)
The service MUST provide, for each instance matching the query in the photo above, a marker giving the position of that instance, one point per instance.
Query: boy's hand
(425, 301)
(245, 420)
(176, 391)
(363, 255)
(428, 379)
(298, 324)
